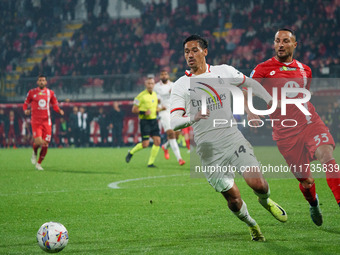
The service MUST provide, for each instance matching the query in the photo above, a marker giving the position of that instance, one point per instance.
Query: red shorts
(186, 130)
(299, 150)
(42, 130)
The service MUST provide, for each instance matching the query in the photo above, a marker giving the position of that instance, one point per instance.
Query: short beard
(164, 80)
(282, 59)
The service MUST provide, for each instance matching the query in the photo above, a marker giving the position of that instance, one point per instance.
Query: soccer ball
(52, 237)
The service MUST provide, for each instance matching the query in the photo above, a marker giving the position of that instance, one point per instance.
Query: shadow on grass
(329, 230)
(80, 171)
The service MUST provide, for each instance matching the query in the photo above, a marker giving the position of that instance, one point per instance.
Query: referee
(146, 105)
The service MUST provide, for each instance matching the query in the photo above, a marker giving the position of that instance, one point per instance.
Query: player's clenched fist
(199, 115)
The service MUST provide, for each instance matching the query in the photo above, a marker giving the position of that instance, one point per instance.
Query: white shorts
(165, 119)
(222, 158)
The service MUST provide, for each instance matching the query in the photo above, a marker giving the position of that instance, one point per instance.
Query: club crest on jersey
(292, 84)
(42, 103)
(286, 68)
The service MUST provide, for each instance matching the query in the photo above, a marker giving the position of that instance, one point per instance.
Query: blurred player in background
(310, 139)
(186, 133)
(40, 99)
(222, 146)
(163, 90)
(146, 106)
(12, 129)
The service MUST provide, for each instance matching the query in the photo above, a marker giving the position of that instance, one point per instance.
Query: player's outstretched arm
(258, 90)
(251, 116)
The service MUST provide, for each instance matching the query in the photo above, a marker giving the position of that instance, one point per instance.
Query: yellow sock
(138, 147)
(181, 140)
(153, 154)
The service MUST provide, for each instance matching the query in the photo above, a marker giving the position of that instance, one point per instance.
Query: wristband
(142, 112)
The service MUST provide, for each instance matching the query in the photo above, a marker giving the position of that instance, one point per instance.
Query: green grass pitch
(154, 211)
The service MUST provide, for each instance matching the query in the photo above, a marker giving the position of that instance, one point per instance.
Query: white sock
(175, 148)
(263, 197)
(166, 145)
(243, 215)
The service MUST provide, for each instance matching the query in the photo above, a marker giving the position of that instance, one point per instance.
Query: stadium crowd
(27, 22)
(239, 32)
(105, 46)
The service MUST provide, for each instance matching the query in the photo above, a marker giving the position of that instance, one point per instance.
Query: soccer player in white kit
(225, 145)
(163, 90)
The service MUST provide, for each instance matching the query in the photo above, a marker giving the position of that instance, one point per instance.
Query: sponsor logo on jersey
(286, 68)
(272, 73)
(211, 103)
(42, 103)
(213, 91)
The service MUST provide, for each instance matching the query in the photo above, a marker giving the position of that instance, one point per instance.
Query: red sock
(333, 178)
(43, 153)
(188, 143)
(309, 194)
(35, 148)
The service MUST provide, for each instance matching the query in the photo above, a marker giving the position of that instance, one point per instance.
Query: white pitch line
(114, 185)
(46, 192)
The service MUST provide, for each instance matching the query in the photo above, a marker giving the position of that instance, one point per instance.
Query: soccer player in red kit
(310, 139)
(40, 99)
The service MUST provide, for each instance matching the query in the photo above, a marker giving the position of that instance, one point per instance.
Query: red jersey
(273, 73)
(41, 100)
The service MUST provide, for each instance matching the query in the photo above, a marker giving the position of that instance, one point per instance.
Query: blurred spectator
(102, 119)
(73, 127)
(63, 133)
(69, 7)
(335, 128)
(103, 6)
(328, 120)
(116, 125)
(90, 5)
(12, 129)
(2, 129)
(84, 127)
(26, 132)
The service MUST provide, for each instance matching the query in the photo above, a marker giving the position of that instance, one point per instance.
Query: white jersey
(163, 92)
(184, 97)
